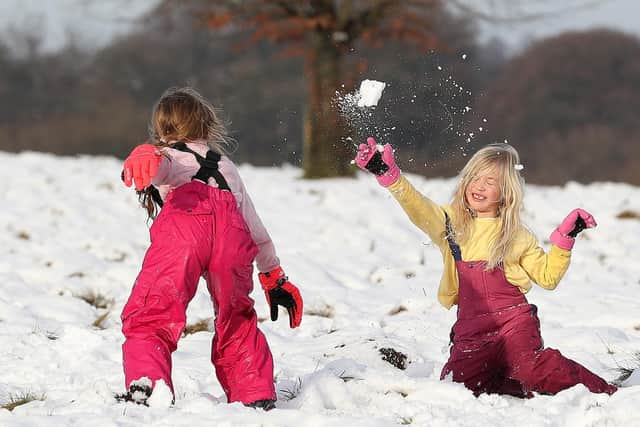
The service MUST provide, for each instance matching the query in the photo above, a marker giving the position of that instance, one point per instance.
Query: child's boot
(266, 404)
(139, 392)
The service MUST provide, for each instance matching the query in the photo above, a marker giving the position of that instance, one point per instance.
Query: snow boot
(138, 393)
(266, 404)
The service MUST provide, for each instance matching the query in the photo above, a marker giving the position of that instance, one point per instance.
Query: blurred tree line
(569, 103)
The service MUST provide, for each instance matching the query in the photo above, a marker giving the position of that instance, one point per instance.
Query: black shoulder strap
(455, 248)
(208, 166)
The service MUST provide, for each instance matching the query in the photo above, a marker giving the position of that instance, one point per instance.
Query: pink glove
(141, 165)
(382, 165)
(564, 236)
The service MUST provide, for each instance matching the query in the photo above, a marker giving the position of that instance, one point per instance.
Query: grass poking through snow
(21, 399)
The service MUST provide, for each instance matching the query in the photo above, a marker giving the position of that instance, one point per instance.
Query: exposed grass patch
(325, 310)
(628, 214)
(293, 392)
(346, 378)
(119, 256)
(95, 299)
(16, 400)
(23, 235)
(199, 326)
(606, 345)
(397, 310)
(49, 334)
(78, 274)
(99, 322)
(625, 371)
(623, 374)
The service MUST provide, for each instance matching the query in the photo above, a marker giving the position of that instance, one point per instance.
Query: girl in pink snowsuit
(490, 260)
(207, 227)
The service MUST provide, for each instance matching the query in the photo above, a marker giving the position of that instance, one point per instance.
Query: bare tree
(324, 32)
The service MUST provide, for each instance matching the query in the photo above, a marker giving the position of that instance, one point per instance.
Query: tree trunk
(325, 152)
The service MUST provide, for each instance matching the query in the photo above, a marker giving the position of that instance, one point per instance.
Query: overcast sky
(94, 22)
(97, 21)
(623, 15)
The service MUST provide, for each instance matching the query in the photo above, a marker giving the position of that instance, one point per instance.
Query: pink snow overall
(497, 347)
(199, 232)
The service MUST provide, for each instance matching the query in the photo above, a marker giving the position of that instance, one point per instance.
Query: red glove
(280, 291)
(141, 165)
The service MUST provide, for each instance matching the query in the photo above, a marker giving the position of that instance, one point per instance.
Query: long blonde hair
(505, 161)
(182, 114)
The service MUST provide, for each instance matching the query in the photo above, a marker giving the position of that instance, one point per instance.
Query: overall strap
(455, 248)
(208, 166)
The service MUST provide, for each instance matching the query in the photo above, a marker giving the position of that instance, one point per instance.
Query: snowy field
(70, 229)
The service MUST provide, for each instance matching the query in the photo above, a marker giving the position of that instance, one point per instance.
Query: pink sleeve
(176, 168)
(266, 260)
(164, 170)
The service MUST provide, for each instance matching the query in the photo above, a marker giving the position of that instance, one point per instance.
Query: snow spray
(357, 108)
(430, 117)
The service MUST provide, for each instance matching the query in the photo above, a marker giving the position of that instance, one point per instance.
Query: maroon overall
(497, 346)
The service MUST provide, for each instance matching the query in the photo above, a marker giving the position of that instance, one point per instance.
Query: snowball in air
(370, 93)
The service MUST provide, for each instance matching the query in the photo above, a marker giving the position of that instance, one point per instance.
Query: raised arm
(141, 166)
(427, 215)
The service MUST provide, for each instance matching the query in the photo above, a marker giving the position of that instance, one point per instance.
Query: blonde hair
(182, 114)
(504, 160)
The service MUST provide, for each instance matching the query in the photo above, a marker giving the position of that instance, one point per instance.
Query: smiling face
(483, 193)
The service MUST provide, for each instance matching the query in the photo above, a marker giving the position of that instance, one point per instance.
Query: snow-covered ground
(368, 277)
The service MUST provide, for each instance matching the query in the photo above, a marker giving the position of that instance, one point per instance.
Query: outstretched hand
(141, 166)
(378, 160)
(280, 291)
(577, 220)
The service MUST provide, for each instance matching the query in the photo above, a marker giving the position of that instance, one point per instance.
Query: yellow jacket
(529, 261)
